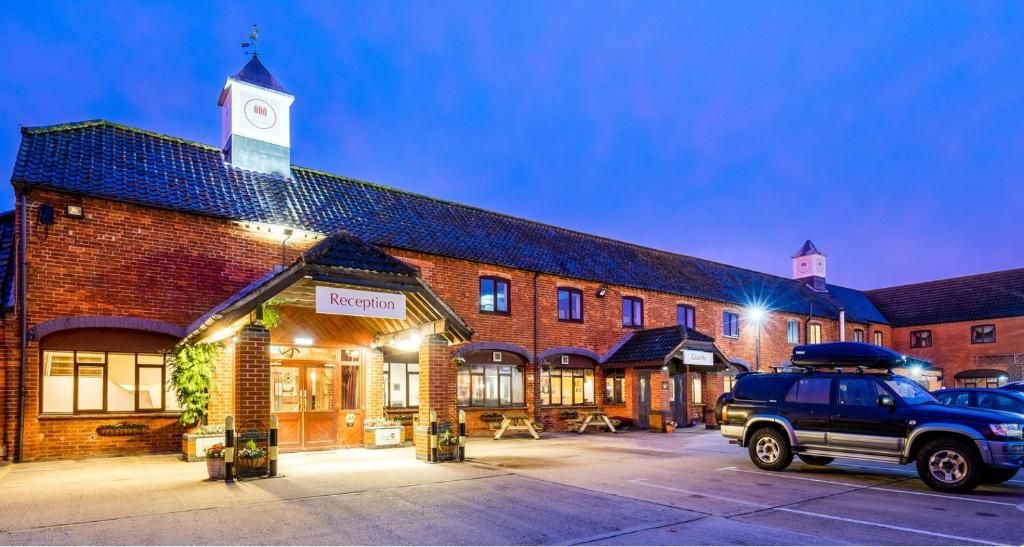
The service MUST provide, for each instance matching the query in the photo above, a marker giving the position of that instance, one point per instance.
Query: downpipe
(22, 323)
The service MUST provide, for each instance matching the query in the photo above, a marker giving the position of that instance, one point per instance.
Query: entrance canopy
(342, 284)
(665, 345)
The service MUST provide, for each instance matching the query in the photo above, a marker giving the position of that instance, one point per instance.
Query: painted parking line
(894, 471)
(962, 539)
(878, 488)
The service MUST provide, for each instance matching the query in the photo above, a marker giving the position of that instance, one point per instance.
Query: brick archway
(104, 322)
(495, 346)
(563, 350)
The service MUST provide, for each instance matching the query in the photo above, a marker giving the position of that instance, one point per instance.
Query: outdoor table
(602, 419)
(515, 422)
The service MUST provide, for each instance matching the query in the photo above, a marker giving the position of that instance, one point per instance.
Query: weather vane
(254, 37)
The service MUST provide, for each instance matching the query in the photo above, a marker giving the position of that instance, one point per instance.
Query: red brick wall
(953, 351)
(252, 375)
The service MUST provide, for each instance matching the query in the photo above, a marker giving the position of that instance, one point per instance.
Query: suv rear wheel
(769, 449)
(815, 460)
(991, 475)
(949, 465)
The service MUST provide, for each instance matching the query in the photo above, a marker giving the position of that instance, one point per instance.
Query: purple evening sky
(890, 133)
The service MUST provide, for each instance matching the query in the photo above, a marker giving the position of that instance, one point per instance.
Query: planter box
(384, 437)
(121, 432)
(193, 446)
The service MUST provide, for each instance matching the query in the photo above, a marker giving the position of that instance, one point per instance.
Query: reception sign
(335, 301)
(695, 357)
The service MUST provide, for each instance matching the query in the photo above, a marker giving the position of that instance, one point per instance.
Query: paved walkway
(633, 488)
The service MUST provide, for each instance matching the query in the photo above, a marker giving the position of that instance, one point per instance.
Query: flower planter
(215, 468)
(122, 431)
(252, 463)
(392, 436)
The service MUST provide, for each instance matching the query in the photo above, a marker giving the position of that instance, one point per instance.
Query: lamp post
(756, 314)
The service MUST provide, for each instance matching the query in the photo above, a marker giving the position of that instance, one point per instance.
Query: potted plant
(446, 442)
(252, 456)
(670, 426)
(121, 429)
(215, 461)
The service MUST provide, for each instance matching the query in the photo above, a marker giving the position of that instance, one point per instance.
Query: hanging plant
(271, 313)
(192, 378)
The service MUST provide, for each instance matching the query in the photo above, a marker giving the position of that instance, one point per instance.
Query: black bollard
(272, 449)
(229, 449)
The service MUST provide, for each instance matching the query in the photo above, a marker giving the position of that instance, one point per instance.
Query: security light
(303, 341)
(602, 290)
(74, 211)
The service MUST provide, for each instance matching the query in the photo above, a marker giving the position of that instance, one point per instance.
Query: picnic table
(515, 422)
(598, 419)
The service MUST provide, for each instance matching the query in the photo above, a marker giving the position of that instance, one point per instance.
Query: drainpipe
(842, 324)
(22, 323)
(536, 342)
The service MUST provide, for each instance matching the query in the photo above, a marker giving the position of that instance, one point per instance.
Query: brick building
(125, 244)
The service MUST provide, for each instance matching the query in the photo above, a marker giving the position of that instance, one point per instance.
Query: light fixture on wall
(74, 211)
(303, 341)
(602, 291)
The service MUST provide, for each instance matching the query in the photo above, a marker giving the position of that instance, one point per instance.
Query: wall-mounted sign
(696, 357)
(386, 436)
(337, 301)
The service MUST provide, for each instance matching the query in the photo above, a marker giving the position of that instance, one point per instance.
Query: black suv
(831, 405)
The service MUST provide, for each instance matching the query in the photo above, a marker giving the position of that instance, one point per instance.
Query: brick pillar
(222, 394)
(599, 387)
(374, 374)
(532, 390)
(437, 389)
(252, 375)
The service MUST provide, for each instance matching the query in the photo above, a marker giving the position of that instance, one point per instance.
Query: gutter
(22, 322)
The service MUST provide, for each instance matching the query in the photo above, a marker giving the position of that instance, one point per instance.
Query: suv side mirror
(886, 400)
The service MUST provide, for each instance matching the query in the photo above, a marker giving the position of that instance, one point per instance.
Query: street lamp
(756, 314)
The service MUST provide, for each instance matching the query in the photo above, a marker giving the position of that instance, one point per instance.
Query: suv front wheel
(949, 465)
(769, 449)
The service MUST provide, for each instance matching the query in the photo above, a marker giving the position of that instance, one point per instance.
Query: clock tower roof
(807, 249)
(255, 73)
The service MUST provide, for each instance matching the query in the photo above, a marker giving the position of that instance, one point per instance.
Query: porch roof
(340, 260)
(662, 345)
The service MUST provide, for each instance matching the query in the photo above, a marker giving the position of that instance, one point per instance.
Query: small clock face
(260, 114)
(803, 265)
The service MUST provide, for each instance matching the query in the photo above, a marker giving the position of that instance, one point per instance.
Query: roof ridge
(99, 122)
(943, 280)
(544, 224)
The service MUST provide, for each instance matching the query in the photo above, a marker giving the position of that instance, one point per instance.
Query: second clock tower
(809, 266)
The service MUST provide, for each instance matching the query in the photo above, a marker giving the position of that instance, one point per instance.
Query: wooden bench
(597, 419)
(516, 422)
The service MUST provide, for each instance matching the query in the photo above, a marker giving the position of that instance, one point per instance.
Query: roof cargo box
(838, 354)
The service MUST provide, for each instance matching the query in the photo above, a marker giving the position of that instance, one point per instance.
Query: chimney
(255, 121)
(809, 266)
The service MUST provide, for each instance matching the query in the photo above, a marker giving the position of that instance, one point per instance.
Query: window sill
(637, 327)
(577, 321)
(108, 416)
(504, 313)
(569, 407)
(735, 337)
(511, 407)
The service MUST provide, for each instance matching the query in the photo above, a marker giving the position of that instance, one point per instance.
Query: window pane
(577, 306)
(627, 312)
(414, 388)
(486, 295)
(588, 386)
(58, 381)
(556, 389)
(89, 357)
(501, 296)
(490, 385)
(151, 387)
(609, 389)
(638, 312)
(121, 383)
(149, 359)
(567, 389)
(284, 392)
(698, 392)
(812, 391)
(545, 387)
(463, 387)
(518, 387)
(563, 304)
(857, 392)
(90, 388)
(396, 377)
(171, 396)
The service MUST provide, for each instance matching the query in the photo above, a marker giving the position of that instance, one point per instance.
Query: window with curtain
(490, 385)
(567, 386)
(814, 333)
(983, 334)
(921, 339)
(570, 304)
(494, 295)
(98, 382)
(858, 335)
(792, 331)
(878, 338)
(614, 383)
(401, 385)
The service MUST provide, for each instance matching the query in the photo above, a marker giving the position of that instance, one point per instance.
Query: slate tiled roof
(7, 262)
(344, 250)
(108, 160)
(254, 72)
(654, 344)
(969, 298)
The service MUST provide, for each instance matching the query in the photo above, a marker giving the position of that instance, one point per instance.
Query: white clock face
(260, 114)
(803, 265)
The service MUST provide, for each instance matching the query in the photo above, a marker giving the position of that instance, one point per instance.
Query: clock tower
(809, 266)
(255, 121)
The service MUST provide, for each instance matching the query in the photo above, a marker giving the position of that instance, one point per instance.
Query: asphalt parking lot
(633, 488)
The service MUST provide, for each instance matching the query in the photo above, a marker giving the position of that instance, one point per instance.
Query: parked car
(1013, 386)
(836, 407)
(980, 397)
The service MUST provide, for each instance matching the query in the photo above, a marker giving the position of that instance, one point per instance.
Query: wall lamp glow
(756, 313)
(303, 341)
(602, 291)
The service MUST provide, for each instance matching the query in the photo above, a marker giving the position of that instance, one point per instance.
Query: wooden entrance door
(303, 397)
(643, 398)
(681, 400)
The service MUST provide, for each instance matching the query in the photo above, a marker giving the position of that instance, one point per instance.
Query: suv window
(996, 401)
(812, 391)
(760, 387)
(910, 391)
(955, 399)
(859, 392)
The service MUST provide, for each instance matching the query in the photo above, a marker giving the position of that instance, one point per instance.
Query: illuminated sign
(694, 357)
(335, 301)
